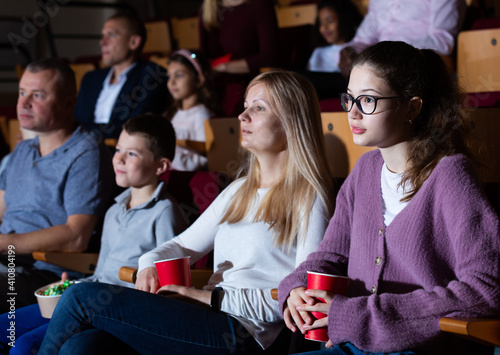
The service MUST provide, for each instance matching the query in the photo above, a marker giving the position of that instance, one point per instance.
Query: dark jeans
(92, 316)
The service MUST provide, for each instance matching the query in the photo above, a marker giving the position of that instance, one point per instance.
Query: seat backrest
(296, 15)
(80, 70)
(159, 60)
(223, 136)
(4, 128)
(186, 33)
(158, 38)
(478, 55)
(195, 190)
(295, 29)
(486, 145)
(342, 153)
(14, 131)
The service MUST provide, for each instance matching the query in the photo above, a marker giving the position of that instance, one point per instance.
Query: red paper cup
(331, 283)
(176, 271)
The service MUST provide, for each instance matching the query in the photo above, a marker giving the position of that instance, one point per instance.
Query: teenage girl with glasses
(412, 227)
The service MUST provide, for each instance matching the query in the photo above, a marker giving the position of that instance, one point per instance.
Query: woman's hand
(202, 296)
(291, 315)
(147, 280)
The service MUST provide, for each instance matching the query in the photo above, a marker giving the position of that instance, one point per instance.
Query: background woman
(256, 242)
(239, 37)
(412, 227)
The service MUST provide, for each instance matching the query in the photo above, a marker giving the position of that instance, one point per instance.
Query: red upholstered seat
(330, 105)
(483, 99)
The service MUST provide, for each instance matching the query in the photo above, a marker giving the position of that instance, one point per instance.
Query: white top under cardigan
(190, 125)
(247, 264)
(392, 194)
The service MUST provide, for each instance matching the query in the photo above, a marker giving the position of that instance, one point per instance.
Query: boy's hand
(64, 276)
(147, 280)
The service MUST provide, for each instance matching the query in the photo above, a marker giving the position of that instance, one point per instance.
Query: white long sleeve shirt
(425, 24)
(247, 264)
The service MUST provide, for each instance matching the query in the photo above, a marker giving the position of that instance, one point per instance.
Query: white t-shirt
(247, 264)
(391, 194)
(190, 125)
(108, 95)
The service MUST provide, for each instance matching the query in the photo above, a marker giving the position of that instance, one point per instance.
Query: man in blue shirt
(127, 87)
(56, 186)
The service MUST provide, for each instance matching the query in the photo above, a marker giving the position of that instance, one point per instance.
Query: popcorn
(58, 289)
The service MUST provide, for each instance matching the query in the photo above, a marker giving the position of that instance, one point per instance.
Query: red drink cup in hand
(332, 283)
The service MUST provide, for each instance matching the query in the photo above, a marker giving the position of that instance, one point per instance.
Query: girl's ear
(414, 107)
(163, 165)
(201, 81)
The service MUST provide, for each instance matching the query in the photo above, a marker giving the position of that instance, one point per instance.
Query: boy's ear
(163, 165)
(414, 107)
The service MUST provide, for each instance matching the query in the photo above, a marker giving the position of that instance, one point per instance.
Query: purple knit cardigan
(439, 257)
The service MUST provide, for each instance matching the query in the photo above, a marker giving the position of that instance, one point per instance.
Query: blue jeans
(350, 349)
(91, 316)
(29, 327)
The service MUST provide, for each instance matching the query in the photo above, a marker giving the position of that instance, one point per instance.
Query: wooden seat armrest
(81, 262)
(199, 277)
(483, 330)
(274, 294)
(111, 142)
(127, 274)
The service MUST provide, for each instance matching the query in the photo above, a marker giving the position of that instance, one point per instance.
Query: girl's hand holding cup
(297, 319)
(322, 287)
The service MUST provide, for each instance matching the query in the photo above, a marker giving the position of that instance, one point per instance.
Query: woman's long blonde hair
(210, 10)
(286, 207)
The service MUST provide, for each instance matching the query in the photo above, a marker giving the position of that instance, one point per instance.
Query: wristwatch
(216, 299)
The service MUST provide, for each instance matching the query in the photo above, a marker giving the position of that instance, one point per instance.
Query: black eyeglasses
(367, 104)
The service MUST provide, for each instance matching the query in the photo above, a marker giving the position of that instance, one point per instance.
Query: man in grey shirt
(56, 186)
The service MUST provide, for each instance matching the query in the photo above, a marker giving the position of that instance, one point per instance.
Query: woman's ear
(163, 165)
(414, 107)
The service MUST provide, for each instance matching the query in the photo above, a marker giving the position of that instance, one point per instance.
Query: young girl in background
(189, 85)
(337, 21)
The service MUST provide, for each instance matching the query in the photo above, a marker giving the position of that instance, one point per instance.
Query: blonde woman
(260, 228)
